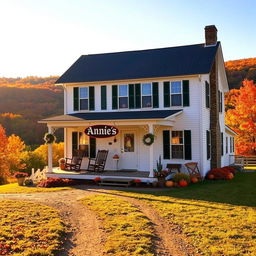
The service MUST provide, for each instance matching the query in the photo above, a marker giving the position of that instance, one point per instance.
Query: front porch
(88, 175)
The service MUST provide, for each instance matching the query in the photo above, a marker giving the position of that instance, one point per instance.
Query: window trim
(183, 145)
(181, 93)
(79, 105)
(151, 95)
(118, 97)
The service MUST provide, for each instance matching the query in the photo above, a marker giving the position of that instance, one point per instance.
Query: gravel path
(86, 236)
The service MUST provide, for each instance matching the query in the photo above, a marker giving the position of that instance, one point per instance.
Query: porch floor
(86, 175)
(119, 173)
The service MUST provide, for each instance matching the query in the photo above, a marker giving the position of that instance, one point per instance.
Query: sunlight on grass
(14, 188)
(28, 228)
(129, 232)
(213, 228)
(250, 168)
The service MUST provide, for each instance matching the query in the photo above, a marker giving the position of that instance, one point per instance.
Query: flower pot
(62, 166)
(21, 181)
(161, 182)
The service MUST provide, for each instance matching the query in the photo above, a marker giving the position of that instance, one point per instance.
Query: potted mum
(20, 176)
(62, 163)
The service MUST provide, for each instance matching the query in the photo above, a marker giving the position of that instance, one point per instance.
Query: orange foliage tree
(4, 167)
(241, 117)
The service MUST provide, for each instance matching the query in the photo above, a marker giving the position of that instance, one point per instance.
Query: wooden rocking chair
(73, 164)
(98, 164)
(193, 170)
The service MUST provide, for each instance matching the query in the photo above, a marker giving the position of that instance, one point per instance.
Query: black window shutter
(91, 98)
(166, 94)
(103, 97)
(131, 96)
(74, 142)
(75, 98)
(187, 144)
(155, 95)
(208, 144)
(137, 96)
(114, 97)
(166, 144)
(92, 147)
(222, 144)
(221, 105)
(185, 86)
(207, 94)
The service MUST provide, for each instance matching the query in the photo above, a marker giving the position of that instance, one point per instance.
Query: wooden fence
(243, 161)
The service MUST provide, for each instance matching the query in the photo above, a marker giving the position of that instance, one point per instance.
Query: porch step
(116, 182)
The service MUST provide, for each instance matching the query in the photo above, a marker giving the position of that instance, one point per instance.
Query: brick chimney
(210, 35)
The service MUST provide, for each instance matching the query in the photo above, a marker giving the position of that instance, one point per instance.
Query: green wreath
(148, 139)
(49, 138)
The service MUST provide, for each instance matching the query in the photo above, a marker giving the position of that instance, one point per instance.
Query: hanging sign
(101, 131)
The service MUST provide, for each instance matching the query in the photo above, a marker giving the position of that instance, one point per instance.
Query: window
(176, 93)
(84, 98)
(84, 144)
(207, 94)
(123, 96)
(177, 144)
(208, 144)
(146, 94)
(226, 145)
(128, 142)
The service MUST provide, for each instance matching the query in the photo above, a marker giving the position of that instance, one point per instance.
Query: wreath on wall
(148, 139)
(49, 138)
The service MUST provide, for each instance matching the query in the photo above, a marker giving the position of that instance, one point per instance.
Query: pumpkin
(183, 183)
(97, 179)
(194, 179)
(169, 183)
(230, 176)
(210, 176)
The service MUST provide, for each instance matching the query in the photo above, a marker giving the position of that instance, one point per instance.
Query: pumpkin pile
(224, 173)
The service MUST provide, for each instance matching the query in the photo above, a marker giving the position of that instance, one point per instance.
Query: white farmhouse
(174, 93)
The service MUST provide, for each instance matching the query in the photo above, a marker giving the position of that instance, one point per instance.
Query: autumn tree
(241, 117)
(4, 167)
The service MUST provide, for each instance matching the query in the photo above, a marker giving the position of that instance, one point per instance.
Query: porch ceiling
(157, 115)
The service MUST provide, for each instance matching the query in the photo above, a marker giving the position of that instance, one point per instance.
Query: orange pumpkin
(230, 176)
(183, 183)
(194, 179)
(210, 176)
(169, 183)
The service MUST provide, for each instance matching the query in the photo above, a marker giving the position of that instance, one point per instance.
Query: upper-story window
(123, 96)
(146, 95)
(176, 93)
(84, 98)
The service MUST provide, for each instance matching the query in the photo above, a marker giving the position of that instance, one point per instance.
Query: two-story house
(174, 93)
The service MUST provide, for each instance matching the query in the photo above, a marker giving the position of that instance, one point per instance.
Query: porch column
(49, 152)
(151, 152)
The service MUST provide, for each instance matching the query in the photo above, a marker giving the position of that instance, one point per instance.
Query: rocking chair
(98, 164)
(73, 164)
(193, 170)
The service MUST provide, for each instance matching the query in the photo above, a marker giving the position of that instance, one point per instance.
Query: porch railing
(243, 161)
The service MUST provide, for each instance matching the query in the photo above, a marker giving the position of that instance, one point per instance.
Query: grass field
(218, 217)
(14, 188)
(28, 229)
(129, 232)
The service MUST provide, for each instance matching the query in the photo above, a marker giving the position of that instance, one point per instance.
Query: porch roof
(118, 115)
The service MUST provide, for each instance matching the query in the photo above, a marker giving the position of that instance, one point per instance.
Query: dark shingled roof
(120, 115)
(162, 62)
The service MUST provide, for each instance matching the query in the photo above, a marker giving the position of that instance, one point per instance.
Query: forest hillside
(24, 101)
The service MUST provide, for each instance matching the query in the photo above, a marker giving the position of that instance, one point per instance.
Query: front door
(129, 156)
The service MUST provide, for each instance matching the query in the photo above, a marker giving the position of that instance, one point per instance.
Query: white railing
(38, 175)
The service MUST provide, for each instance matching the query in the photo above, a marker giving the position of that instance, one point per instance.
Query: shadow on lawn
(240, 191)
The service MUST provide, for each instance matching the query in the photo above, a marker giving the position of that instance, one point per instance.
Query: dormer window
(84, 98)
(176, 93)
(146, 94)
(123, 96)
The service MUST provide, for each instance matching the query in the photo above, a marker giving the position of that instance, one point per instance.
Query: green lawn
(239, 191)
(218, 217)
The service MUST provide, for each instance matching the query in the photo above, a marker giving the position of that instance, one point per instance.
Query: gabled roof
(162, 62)
(118, 115)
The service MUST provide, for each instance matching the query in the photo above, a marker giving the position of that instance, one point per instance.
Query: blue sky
(44, 37)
